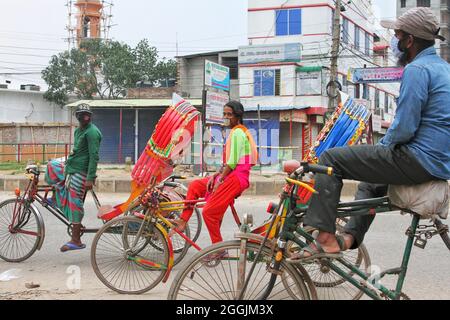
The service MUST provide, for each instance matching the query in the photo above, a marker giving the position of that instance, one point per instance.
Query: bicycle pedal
(421, 243)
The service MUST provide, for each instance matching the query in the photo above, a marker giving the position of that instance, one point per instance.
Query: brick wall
(150, 93)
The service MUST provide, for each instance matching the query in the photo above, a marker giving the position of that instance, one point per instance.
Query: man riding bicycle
(414, 150)
(72, 181)
(224, 186)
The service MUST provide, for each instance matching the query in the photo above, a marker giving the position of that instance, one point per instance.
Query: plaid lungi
(69, 190)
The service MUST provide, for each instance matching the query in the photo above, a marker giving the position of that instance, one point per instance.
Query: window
(402, 3)
(367, 44)
(266, 82)
(357, 37)
(288, 22)
(423, 3)
(345, 34)
(386, 102)
(357, 91)
(377, 100)
(232, 63)
(86, 27)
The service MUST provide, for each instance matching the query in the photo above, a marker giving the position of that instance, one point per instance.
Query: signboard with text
(214, 107)
(285, 52)
(294, 116)
(217, 76)
(375, 75)
(376, 123)
(309, 83)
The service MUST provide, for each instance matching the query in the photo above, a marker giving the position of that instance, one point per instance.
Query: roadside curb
(111, 185)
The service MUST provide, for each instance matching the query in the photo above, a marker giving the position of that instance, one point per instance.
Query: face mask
(395, 48)
(226, 122)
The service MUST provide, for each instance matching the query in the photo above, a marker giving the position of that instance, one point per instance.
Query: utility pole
(332, 94)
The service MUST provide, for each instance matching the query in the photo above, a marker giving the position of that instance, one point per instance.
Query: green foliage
(104, 69)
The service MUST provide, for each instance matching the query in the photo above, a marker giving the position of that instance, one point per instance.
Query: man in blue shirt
(415, 150)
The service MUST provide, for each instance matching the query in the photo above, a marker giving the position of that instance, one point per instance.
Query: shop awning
(308, 69)
(131, 103)
(275, 108)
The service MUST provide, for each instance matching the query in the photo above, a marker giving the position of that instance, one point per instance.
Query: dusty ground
(428, 275)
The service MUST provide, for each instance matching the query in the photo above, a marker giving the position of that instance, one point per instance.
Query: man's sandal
(318, 253)
(69, 246)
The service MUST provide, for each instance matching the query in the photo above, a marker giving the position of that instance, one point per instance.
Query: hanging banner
(284, 52)
(217, 76)
(309, 83)
(375, 75)
(214, 107)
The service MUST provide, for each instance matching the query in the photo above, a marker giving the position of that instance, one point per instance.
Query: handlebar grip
(170, 184)
(178, 177)
(317, 168)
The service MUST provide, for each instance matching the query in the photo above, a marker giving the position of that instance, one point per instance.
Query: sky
(31, 31)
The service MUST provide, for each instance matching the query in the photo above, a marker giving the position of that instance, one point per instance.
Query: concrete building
(291, 87)
(191, 72)
(441, 9)
(28, 106)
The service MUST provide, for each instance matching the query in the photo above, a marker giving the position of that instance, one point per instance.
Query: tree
(103, 69)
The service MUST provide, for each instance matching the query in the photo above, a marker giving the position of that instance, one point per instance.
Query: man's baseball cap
(418, 22)
(83, 108)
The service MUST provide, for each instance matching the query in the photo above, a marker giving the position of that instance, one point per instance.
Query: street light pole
(334, 55)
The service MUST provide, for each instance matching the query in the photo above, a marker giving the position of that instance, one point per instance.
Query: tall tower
(88, 19)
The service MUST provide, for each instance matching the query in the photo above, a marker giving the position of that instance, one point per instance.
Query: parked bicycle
(254, 267)
(22, 227)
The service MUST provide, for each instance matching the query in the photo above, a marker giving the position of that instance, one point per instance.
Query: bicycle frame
(156, 216)
(32, 194)
(286, 214)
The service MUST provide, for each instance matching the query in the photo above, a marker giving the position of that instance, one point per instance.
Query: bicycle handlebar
(317, 168)
(170, 184)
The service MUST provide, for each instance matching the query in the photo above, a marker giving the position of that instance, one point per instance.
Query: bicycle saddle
(428, 199)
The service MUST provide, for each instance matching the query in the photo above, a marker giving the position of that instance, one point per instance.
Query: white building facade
(298, 85)
(25, 106)
(441, 8)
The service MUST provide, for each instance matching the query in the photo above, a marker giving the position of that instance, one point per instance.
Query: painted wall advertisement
(286, 52)
(214, 107)
(217, 76)
(375, 75)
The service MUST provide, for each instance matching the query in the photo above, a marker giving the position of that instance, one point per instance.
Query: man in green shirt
(72, 181)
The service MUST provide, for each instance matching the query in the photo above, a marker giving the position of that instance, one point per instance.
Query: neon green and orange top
(241, 154)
